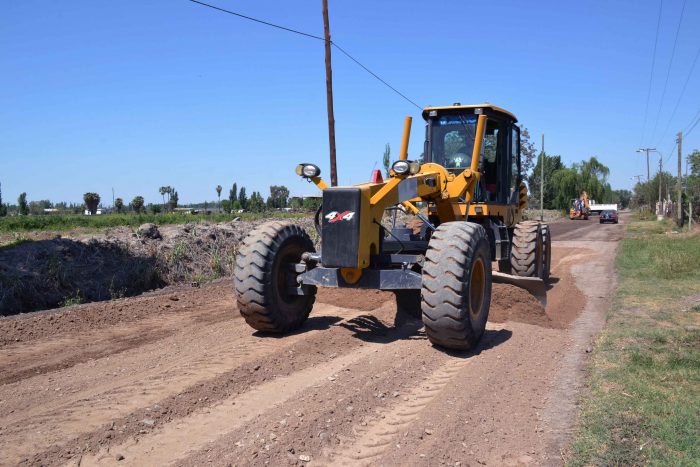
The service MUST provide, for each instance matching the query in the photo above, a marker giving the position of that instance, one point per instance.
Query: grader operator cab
(469, 196)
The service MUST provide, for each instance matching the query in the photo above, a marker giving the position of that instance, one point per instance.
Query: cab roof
(457, 106)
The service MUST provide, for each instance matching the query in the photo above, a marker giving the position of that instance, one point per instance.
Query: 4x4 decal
(336, 216)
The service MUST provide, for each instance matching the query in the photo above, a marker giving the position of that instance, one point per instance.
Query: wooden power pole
(329, 94)
(661, 168)
(679, 184)
(542, 182)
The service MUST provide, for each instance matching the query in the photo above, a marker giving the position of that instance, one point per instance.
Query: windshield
(452, 140)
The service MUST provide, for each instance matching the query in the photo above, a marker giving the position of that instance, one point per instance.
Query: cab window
(515, 161)
(453, 140)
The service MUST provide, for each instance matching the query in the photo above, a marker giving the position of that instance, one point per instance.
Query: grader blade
(534, 285)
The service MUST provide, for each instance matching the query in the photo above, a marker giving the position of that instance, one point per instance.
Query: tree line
(278, 199)
(663, 185)
(563, 183)
(238, 201)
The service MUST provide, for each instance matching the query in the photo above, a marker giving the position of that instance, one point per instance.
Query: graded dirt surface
(177, 377)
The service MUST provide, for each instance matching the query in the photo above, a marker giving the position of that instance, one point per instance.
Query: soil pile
(45, 274)
(511, 303)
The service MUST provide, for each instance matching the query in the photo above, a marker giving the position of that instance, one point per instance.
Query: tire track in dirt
(33, 358)
(175, 440)
(325, 418)
(486, 410)
(61, 406)
(77, 320)
(375, 437)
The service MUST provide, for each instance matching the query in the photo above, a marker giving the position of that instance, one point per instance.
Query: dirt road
(176, 377)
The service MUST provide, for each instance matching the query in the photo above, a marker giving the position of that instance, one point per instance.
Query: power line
(670, 153)
(373, 74)
(697, 114)
(651, 74)
(692, 126)
(668, 72)
(312, 36)
(680, 97)
(258, 20)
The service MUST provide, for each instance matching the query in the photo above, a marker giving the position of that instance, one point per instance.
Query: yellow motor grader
(469, 196)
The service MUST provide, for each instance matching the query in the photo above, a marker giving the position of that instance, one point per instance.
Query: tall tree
(137, 204)
(279, 194)
(386, 159)
(92, 200)
(562, 186)
(218, 193)
(694, 162)
(119, 205)
(233, 193)
(242, 198)
(646, 194)
(256, 202)
(622, 197)
(22, 204)
(173, 198)
(527, 152)
(163, 190)
(593, 178)
(551, 165)
(3, 208)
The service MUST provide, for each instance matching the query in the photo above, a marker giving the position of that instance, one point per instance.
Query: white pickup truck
(596, 208)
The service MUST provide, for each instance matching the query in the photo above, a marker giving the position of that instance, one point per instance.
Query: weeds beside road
(41, 269)
(643, 403)
(72, 221)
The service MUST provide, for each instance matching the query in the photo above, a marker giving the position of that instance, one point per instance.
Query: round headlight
(308, 170)
(401, 167)
(311, 170)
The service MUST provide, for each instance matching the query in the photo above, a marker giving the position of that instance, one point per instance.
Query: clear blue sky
(138, 94)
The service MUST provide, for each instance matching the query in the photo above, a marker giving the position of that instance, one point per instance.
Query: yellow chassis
(449, 197)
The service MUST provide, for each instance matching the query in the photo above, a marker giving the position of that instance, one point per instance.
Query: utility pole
(637, 177)
(542, 182)
(647, 150)
(679, 184)
(329, 94)
(661, 168)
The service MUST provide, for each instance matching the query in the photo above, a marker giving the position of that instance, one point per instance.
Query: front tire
(456, 292)
(263, 277)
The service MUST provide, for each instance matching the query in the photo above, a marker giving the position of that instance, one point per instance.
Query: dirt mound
(49, 273)
(44, 274)
(511, 303)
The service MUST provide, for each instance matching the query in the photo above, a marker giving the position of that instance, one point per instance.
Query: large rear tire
(456, 292)
(263, 277)
(526, 257)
